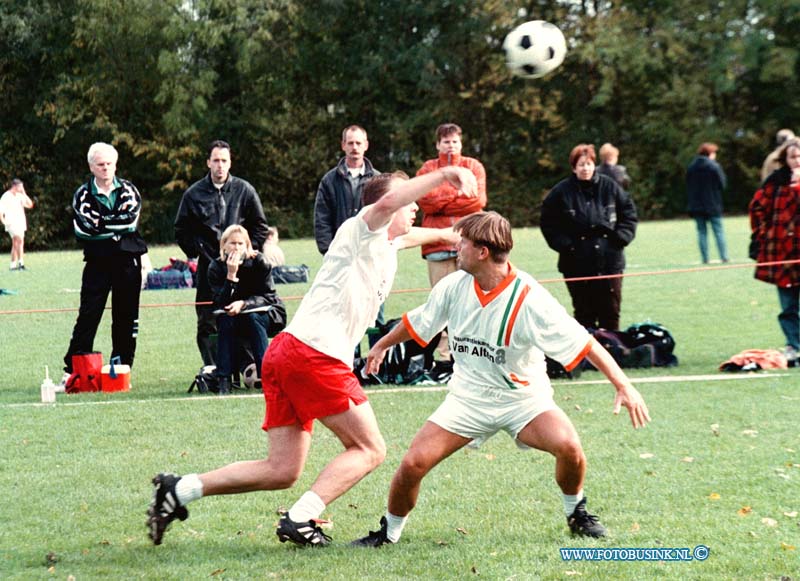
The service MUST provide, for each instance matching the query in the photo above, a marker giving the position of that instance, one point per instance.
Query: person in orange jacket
(444, 206)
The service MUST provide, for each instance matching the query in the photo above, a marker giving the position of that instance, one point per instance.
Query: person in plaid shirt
(773, 219)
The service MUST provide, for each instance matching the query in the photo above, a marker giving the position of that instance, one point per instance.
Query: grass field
(719, 465)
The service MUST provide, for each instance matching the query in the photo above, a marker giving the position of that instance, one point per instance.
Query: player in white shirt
(501, 324)
(13, 204)
(307, 371)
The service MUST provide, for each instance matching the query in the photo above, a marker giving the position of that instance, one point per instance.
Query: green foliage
(280, 80)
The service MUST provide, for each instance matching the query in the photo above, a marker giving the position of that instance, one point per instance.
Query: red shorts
(301, 384)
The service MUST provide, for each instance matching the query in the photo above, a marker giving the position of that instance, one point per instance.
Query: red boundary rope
(417, 290)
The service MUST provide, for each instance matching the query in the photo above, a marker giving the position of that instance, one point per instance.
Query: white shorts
(15, 230)
(480, 419)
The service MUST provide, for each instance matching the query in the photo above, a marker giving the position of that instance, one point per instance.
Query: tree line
(280, 79)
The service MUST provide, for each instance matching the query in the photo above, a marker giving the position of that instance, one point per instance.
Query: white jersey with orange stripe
(499, 338)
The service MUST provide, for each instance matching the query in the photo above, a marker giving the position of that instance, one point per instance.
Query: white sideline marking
(413, 389)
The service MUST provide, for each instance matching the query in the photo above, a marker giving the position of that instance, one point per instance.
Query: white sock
(310, 506)
(571, 501)
(394, 526)
(189, 488)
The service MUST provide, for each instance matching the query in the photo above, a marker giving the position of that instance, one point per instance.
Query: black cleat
(374, 538)
(302, 533)
(165, 507)
(584, 524)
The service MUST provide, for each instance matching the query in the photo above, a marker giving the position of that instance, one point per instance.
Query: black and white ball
(250, 376)
(534, 49)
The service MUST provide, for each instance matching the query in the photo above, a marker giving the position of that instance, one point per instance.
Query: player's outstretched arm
(627, 395)
(377, 354)
(419, 236)
(405, 192)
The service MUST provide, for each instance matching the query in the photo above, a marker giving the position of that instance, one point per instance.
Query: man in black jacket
(339, 192)
(589, 219)
(106, 214)
(208, 207)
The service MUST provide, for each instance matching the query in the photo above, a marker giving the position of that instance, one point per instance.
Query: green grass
(74, 477)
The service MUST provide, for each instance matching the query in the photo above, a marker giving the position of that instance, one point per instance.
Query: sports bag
(289, 274)
(86, 373)
(169, 279)
(406, 363)
(640, 345)
(658, 338)
(206, 380)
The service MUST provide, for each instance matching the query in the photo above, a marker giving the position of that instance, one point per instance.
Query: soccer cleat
(165, 507)
(584, 524)
(302, 533)
(374, 538)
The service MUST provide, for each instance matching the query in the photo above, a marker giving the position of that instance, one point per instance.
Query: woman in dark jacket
(247, 306)
(589, 219)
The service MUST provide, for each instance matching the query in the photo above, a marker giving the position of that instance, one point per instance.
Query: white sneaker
(61, 386)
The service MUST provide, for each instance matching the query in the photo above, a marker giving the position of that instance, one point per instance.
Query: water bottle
(48, 388)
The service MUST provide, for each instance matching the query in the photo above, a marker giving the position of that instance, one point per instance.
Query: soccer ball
(534, 48)
(250, 376)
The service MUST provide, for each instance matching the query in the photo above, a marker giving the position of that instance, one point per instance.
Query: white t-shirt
(13, 212)
(499, 339)
(355, 278)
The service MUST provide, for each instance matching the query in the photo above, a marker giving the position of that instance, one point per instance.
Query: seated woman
(249, 308)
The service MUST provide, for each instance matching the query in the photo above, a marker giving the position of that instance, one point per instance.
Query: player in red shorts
(307, 370)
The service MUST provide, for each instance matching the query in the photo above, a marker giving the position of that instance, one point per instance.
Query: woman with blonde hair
(247, 306)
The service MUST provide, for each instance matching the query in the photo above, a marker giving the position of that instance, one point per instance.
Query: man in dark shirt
(339, 192)
(208, 207)
(705, 182)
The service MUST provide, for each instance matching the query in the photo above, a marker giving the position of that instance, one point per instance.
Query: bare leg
(16, 244)
(365, 449)
(288, 449)
(431, 445)
(553, 432)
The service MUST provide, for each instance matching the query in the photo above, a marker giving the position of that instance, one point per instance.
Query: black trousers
(596, 303)
(206, 319)
(120, 275)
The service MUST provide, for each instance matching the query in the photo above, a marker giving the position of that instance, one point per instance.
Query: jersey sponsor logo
(478, 348)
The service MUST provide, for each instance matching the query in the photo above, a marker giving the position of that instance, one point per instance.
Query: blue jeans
(719, 235)
(251, 327)
(789, 319)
